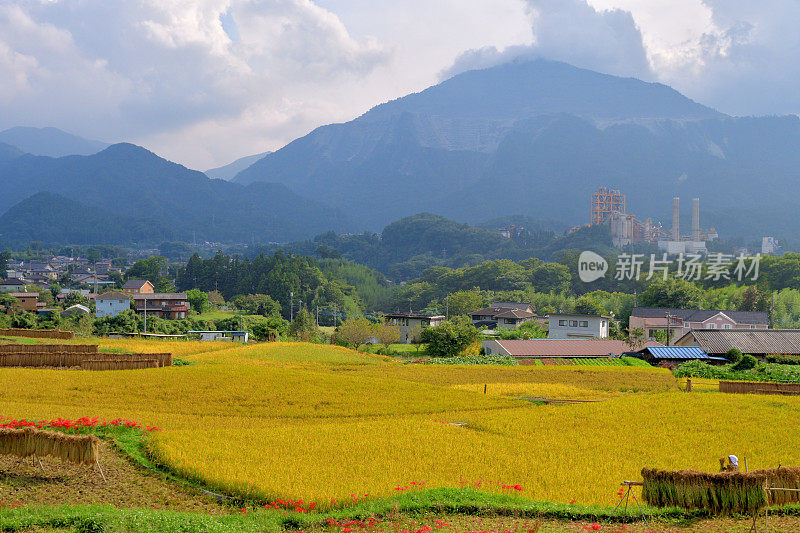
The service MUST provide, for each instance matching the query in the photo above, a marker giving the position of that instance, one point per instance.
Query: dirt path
(127, 485)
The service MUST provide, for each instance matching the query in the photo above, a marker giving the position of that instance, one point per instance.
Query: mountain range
(51, 142)
(127, 183)
(536, 138)
(528, 138)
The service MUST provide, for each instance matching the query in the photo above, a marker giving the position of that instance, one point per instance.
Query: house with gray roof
(652, 320)
(760, 343)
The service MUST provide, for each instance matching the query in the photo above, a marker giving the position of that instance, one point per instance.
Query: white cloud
(606, 40)
(138, 69)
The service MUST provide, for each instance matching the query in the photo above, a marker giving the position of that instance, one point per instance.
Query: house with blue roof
(675, 355)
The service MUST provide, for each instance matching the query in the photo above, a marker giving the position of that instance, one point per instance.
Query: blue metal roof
(676, 352)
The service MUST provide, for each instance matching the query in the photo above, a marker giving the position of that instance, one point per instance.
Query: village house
(411, 324)
(138, 286)
(536, 351)
(759, 343)
(576, 326)
(503, 315)
(111, 304)
(653, 320)
(27, 301)
(12, 285)
(173, 306)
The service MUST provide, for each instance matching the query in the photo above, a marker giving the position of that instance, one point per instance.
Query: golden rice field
(323, 423)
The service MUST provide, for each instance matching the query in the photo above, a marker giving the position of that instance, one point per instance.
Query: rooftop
(113, 295)
(758, 341)
(701, 315)
(567, 347)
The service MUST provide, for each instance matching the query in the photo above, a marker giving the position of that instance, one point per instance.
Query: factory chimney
(676, 231)
(696, 219)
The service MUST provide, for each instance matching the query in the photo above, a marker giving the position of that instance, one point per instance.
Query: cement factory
(608, 206)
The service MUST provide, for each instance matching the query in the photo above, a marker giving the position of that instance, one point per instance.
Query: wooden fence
(75, 358)
(50, 348)
(753, 387)
(37, 333)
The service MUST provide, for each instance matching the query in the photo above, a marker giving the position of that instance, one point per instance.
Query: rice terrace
(300, 436)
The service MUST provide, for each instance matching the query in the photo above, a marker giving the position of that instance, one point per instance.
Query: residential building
(28, 301)
(576, 326)
(542, 350)
(111, 304)
(675, 355)
(760, 343)
(168, 305)
(652, 320)
(12, 285)
(503, 315)
(412, 323)
(138, 286)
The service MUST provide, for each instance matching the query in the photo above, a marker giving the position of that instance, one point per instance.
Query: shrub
(746, 363)
(449, 338)
(734, 355)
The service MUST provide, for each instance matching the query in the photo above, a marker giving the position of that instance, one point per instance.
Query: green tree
(671, 292)
(754, 300)
(449, 338)
(258, 304)
(76, 298)
(635, 339)
(23, 321)
(198, 300)
(356, 331)
(155, 270)
(303, 326)
(387, 334)
(465, 302)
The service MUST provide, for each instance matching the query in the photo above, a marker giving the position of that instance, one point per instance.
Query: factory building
(608, 206)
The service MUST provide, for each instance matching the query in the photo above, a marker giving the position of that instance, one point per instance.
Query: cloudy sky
(203, 82)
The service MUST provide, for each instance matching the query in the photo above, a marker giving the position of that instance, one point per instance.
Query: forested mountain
(412, 244)
(133, 183)
(8, 152)
(229, 171)
(49, 142)
(536, 138)
(53, 219)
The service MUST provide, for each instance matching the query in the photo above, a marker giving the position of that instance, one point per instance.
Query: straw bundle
(786, 478)
(50, 348)
(78, 449)
(37, 333)
(720, 493)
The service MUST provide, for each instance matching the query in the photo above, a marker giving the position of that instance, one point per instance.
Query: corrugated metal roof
(778, 341)
(567, 347)
(676, 352)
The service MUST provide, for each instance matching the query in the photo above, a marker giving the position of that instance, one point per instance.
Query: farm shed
(656, 355)
(760, 343)
(528, 351)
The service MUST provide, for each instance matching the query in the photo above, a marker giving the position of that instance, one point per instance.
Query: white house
(411, 324)
(574, 326)
(111, 304)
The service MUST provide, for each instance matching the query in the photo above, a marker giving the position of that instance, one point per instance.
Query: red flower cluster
(72, 425)
(293, 505)
(594, 527)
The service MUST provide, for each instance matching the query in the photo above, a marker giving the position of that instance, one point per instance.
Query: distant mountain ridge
(133, 183)
(51, 142)
(229, 171)
(536, 139)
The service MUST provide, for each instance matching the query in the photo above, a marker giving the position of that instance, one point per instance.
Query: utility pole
(447, 307)
(669, 327)
(145, 315)
(291, 306)
(317, 315)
